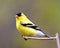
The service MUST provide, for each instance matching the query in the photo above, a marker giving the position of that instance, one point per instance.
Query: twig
(39, 38)
(45, 38)
(57, 40)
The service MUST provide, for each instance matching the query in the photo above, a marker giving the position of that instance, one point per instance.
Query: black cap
(19, 14)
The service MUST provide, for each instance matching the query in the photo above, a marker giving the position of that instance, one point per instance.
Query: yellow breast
(26, 31)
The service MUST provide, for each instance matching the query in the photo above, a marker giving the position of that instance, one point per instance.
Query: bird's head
(20, 16)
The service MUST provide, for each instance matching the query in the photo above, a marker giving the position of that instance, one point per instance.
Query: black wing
(31, 26)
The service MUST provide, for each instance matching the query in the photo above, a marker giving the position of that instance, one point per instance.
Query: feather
(31, 26)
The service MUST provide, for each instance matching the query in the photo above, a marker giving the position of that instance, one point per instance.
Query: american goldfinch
(26, 27)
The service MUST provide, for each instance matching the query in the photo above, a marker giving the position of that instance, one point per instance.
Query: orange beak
(16, 16)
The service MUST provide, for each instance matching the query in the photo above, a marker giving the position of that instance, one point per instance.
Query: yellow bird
(26, 28)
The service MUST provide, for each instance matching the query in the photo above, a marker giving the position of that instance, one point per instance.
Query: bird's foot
(25, 38)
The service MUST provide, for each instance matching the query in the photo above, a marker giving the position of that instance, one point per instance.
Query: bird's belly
(26, 31)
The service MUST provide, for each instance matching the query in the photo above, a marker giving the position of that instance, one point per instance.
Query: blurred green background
(44, 13)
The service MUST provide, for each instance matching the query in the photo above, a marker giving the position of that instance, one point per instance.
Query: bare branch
(39, 38)
(57, 40)
(45, 38)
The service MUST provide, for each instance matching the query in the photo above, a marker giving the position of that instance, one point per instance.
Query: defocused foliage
(44, 13)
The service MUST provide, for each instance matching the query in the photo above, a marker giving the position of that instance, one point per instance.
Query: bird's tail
(47, 36)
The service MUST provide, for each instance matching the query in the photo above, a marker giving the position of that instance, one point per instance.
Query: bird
(27, 28)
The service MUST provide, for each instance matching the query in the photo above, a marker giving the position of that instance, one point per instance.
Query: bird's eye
(19, 14)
